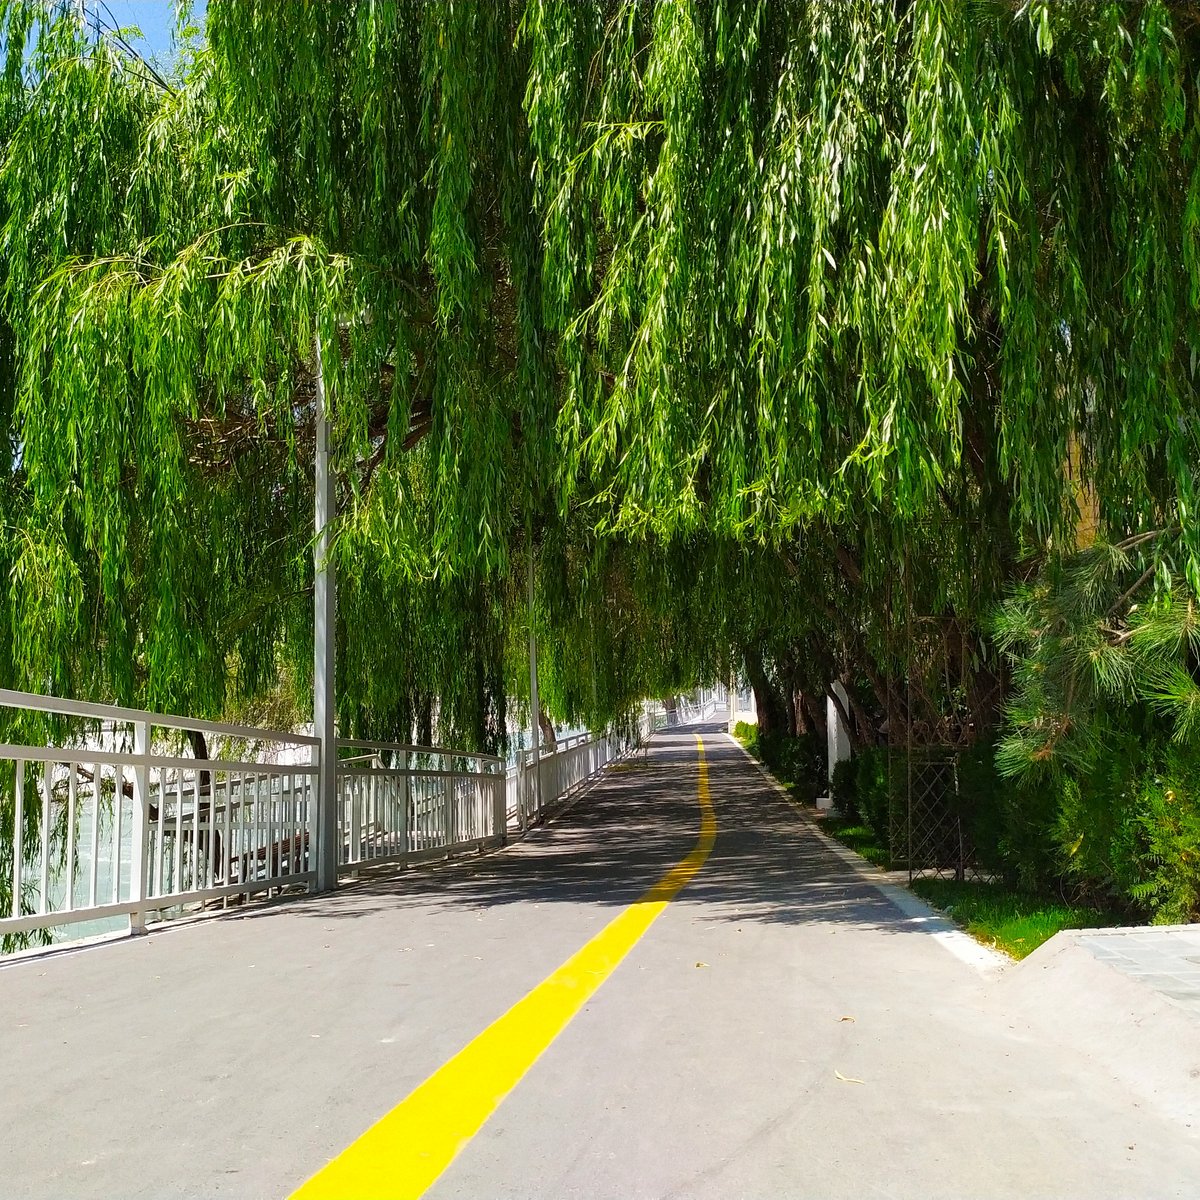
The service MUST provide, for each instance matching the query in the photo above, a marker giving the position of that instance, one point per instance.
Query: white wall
(838, 733)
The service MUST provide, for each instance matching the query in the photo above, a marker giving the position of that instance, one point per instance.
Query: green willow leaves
(697, 292)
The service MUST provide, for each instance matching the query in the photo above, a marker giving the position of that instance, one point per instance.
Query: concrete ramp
(1129, 999)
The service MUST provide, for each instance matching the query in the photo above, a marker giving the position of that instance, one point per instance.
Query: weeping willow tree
(811, 258)
(879, 281)
(754, 313)
(175, 248)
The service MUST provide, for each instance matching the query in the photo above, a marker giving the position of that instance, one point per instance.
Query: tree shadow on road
(626, 831)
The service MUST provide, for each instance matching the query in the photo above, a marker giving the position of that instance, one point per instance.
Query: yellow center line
(402, 1154)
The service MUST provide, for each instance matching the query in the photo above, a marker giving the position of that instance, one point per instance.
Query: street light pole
(534, 707)
(324, 649)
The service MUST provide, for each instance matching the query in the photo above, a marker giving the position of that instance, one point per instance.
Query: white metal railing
(542, 778)
(653, 718)
(701, 706)
(103, 815)
(400, 803)
(111, 819)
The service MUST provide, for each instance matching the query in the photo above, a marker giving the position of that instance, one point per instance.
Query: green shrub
(799, 761)
(746, 733)
(872, 792)
(1168, 816)
(1027, 850)
(1121, 835)
(1099, 840)
(1124, 832)
(985, 806)
(843, 789)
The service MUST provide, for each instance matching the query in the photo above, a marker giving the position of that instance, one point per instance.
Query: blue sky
(155, 18)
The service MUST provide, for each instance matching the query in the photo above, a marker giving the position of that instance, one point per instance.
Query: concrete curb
(961, 944)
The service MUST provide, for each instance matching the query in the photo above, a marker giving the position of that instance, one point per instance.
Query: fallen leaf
(848, 1078)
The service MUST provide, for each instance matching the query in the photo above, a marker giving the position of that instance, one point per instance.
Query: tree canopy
(789, 336)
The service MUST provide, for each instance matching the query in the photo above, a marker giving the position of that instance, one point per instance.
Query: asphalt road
(783, 1029)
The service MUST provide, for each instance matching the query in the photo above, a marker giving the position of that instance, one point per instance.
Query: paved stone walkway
(1164, 958)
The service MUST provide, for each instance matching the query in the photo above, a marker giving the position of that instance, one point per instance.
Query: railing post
(500, 805)
(324, 645)
(354, 822)
(405, 793)
(139, 853)
(524, 789)
(449, 823)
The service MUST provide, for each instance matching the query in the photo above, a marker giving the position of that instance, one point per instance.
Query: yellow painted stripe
(402, 1154)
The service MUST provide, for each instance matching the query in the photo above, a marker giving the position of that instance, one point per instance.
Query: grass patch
(1015, 922)
(860, 838)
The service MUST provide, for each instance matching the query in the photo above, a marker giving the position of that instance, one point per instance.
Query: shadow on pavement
(620, 836)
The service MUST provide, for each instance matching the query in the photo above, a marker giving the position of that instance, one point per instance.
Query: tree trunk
(772, 707)
(847, 720)
(549, 737)
(816, 714)
(866, 735)
(798, 709)
(199, 745)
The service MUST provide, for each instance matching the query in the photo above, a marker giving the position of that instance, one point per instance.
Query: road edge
(986, 960)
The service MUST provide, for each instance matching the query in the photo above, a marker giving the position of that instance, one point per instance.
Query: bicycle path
(778, 1028)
